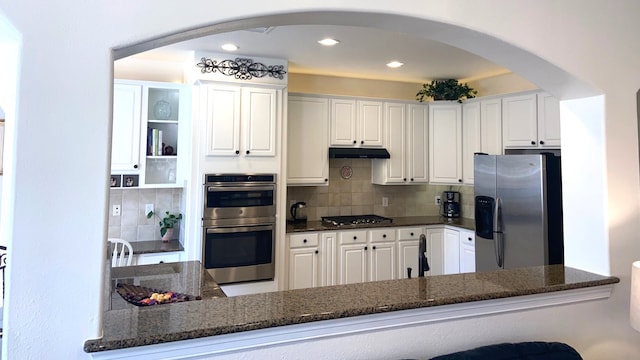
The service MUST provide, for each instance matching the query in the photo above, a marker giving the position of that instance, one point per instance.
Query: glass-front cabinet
(155, 154)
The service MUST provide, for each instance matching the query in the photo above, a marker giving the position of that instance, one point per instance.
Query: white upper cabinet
(445, 143)
(125, 141)
(356, 123)
(149, 127)
(548, 121)
(406, 140)
(471, 142)
(481, 132)
(241, 121)
(530, 121)
(491, 126)
(307, 141)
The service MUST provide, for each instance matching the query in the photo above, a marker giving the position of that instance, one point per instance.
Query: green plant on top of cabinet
(241, 120)
(445, 142)
(356, 123)
(406, 135)
(307, 141)
(148, 118)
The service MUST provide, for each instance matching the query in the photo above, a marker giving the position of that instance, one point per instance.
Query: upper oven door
(222, 202)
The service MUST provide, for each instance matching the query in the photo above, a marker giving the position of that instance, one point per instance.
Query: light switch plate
(148, 208)
(385, 201)
(116, 210)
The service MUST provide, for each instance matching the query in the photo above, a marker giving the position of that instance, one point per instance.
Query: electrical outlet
(148, 208)
(437, 199)
(116, 210)
(385, 201)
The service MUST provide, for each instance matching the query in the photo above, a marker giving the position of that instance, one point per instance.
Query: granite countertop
(187, 277)
(397, 221)
(194, 319)
(155, 246)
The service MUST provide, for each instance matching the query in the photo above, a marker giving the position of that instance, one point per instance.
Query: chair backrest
(122, 254)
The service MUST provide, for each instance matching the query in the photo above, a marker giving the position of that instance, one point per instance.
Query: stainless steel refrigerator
(518, 211)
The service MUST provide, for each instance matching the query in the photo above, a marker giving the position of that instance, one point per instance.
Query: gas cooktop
(355, 220)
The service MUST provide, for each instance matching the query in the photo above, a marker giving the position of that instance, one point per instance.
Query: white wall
(64, 105)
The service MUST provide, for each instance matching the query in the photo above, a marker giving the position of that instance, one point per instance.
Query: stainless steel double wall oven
(238, 227)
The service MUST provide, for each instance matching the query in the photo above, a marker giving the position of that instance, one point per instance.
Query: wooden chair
(122, 252)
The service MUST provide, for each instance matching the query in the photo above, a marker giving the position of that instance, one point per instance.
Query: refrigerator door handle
(496, 215)
(498, 244)
(499, 249)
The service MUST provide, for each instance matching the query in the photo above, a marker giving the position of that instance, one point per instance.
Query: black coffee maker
(450, 204)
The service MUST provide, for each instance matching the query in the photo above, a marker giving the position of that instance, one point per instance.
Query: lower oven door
(239, 253)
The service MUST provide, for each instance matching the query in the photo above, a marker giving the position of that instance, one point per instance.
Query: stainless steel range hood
(358, 153)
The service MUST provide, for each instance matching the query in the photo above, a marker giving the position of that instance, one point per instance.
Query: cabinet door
(548, 121)
(303, 268)
(451, 251)
(223, 120)
(471, 142)
(445, 143)
(435, 251)
(408, 258)
(491, 126)
(353, 264)
(307, 138)
(125, 140)
(383, 261)
(259, 119)
(519, 121)
(328, 258)
(392, 170)
(343, 122)
(418, 144)
(467, 251)
(370, 129)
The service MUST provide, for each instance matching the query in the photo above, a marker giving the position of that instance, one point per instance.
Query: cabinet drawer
(409, 233)
(303, 240)
(353, 237)
(383, 235)
(468, 238)
(156, 258)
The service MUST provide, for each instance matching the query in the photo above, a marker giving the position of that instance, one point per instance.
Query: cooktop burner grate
(355, 220)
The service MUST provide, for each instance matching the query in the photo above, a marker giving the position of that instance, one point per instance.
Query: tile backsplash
(357, 195)
(132, 224)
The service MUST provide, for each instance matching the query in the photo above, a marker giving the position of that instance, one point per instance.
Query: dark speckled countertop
(397, 221)
(195, 319)
(155, 246)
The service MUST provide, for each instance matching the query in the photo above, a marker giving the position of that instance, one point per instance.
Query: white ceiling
(361, 53)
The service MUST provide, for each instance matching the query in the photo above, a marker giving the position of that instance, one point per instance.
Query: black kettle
(298, 212)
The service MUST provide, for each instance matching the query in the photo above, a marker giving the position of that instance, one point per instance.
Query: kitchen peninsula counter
(138, 326)
(396, 222)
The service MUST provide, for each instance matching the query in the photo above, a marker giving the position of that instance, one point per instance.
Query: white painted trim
(251, 340)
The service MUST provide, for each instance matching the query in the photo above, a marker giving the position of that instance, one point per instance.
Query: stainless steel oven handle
(240, 188)
(238, 229)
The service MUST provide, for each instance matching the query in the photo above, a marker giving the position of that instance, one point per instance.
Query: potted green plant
(449, 89)
(167, 224)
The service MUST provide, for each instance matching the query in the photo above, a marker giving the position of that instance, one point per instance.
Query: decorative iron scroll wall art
(241, 68)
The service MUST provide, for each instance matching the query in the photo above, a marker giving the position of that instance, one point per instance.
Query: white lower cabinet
(311, 259)
(156, 258)
(467, 251)
(366, 255)
(435, 250)
(352, 257)
(303, 261)
(451, 251)
(408, 245)
(356, 256)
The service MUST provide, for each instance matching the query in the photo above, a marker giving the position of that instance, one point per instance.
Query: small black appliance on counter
(298, 212)
(450, 204)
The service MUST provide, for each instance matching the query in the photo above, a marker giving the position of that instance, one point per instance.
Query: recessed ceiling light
(229, 47)
(328, 42)
(395, 64)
